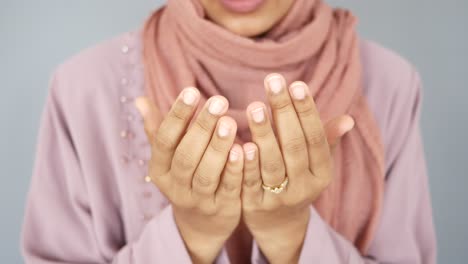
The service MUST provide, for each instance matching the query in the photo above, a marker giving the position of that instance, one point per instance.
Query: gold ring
(276, 189)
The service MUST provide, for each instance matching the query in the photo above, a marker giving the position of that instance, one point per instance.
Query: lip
(242, 6)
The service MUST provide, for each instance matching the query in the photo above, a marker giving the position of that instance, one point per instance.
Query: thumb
(336, 128)
(151, 116)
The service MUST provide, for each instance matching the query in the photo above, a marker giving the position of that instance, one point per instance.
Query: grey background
(37, 35)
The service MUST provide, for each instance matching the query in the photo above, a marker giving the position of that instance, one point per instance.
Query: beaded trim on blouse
(137, 149)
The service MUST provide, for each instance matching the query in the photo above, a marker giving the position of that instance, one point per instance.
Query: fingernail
(298, 91)
(250, 155)
(275, 83)
(233, 156)
(258, 115)
(142, 106)
(190, 96)
(348, 125)
(224, 129)
(216, 106)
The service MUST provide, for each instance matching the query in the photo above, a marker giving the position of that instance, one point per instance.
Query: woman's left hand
(300, 154)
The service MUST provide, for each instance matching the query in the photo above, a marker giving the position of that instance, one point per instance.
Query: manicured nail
(190, 96)
(216, 106)
(233, 156)
(298, 91)
(224, 129)
(258, 115)
(275, 83)
(250, 155)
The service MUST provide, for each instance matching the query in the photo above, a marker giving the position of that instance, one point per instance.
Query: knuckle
(232, 171)
(229, 186)
(202, 179)
(183, 160)
(297, 164)
(180, 112)
(272, 167)
(218, 146)
(251, 177)
(251, 181)
(251, 168)
(180, 180)
(316, 137)
(164, 141)
(204, 123)
(307, 111)
(295, 145)
(282, 104)
(263, 133)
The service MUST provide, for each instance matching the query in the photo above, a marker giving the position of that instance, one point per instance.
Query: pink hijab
(312, 43)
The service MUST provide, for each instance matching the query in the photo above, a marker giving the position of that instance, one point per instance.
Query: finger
(252, 183)
(288, 127)
(318, 148)
(336, 128)
(271, 161)
(207, 175)
(150, 114)
(192, 146)
(231, 179)
(165, 136)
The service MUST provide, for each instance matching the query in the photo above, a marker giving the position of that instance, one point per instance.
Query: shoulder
(392, 87)
(93, 92)
(96, 79)
(100, 68)
(386, 74)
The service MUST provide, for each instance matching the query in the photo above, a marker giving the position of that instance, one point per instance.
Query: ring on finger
(277, 189)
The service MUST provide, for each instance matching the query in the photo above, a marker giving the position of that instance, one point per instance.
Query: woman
(324, 165)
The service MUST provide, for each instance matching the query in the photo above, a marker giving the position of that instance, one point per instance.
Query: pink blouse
(89, 200)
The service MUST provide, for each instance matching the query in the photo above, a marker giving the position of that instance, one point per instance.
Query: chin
(247, 28)
(255, 22)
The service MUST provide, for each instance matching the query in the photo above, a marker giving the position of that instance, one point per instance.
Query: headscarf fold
(313, 43)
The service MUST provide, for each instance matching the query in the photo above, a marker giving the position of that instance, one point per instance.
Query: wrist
(202, 248)
(283, 243)
(203, 256)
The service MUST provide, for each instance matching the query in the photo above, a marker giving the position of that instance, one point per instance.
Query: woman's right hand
(198, 168)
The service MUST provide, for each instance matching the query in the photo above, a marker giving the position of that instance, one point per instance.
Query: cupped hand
(299, 153)
(198, 168)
